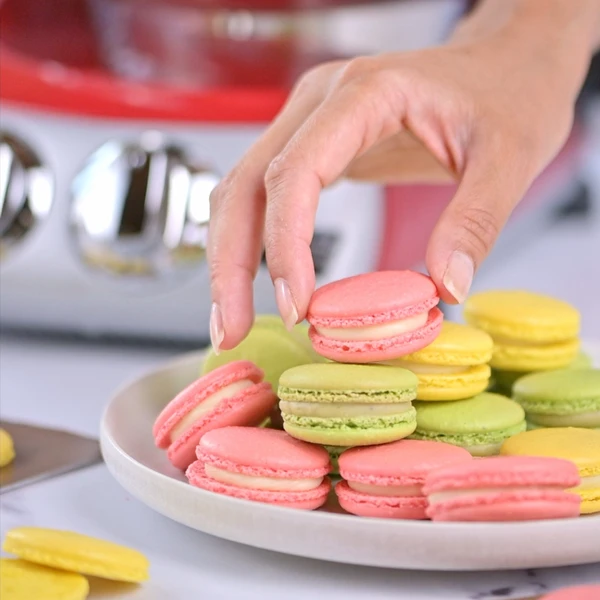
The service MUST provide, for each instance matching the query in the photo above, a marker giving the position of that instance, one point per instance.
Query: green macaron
(348, 405)
(561, 398)
(269, 346)
(479, 424)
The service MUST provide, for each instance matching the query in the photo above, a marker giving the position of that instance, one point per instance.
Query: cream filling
(427, 369)
(342, 409)
(207, 405)
(388, 490)
(374, 332)
(452, 494)
(272, 484)
(593, 481)
(587, 419)
(484, 449)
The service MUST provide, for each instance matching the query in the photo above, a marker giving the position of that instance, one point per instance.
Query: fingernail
(285, 303)
(217, 332)
(459, 275)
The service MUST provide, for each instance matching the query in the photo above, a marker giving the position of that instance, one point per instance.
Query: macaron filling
(209, 404)
(254, 482)
(387, 490)
(343, 409)
(374, 332)
(585, 419)
(592, 481)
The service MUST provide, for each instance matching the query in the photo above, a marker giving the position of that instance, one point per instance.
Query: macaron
(503, 488)
(505, 380)
(479, 424)
(338, 404)
(454, 366)
(77, 553)
(387, 481)
(374, 316)
(262, 465)
(531, 332)
(580, 446)
(578, 592)
(7, 448)
(270, 347)
(561, 398)
(233, 394)
(22, 580)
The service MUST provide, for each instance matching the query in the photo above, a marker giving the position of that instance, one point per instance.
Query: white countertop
(184, 563)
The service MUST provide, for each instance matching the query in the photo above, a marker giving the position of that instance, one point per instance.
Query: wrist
(559, 36)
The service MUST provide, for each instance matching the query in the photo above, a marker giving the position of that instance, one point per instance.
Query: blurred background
(118, 117)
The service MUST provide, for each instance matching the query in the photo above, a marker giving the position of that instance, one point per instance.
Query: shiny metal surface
(140, 211)
(26, 192)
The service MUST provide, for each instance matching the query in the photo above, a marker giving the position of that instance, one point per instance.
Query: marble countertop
(185, 563)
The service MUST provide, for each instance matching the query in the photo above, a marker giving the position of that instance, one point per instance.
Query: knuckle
(481, 228)
(277, 176)
(355, 69)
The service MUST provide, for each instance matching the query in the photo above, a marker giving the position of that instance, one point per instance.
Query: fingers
(237, 220)
(492, 185)
(345, 125)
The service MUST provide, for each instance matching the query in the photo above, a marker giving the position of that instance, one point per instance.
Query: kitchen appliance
(118, 117)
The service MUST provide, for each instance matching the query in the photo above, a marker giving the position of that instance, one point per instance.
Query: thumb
(489, 190)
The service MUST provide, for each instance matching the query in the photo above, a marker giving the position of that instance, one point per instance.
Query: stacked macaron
(454, 366)
(531, 332)
(560, 398)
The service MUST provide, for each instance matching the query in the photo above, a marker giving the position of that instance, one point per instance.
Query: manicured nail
(285, 303)
(217, 332)
(459, 275)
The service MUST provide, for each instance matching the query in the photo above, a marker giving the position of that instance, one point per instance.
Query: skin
(488, 109)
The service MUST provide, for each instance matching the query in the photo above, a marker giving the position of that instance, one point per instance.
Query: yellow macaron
(531, 332)
(76, 553)
(580, 446)
(454, 366)
(22, 580)
(7, 448)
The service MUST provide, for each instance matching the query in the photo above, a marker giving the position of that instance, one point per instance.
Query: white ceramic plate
(143, 470)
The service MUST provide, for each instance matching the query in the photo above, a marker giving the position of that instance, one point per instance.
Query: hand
(490, 110)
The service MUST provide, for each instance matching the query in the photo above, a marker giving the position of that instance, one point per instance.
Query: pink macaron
(580, 592)
(503, 488)
(263, 465)
(387, 481)
(233, 394)
(374, 316)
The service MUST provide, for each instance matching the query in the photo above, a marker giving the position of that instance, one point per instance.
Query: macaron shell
(385, 507)
(456, 345)
(77, 553)
(579, 445)
(335, 382)
(590, 499)
(271, 349)
(580, 592)
(378, 350)
(453, 386)
(528, 505)
(247, 408)
(352, 433)
(263, 453)
(534, 358)
(198, 391)
(482, 413)
(7, 448)
(405, 462)
(308, 500)
(372, 298)
(522, 315)
(22, 580)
